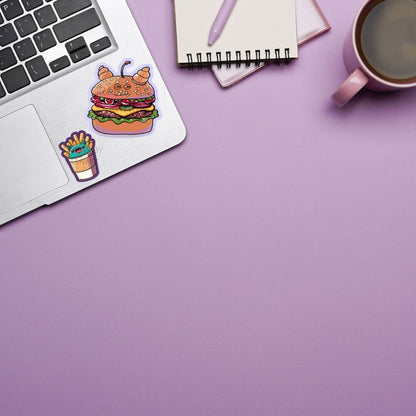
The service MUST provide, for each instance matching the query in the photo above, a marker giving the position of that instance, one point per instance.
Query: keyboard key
(2, 92)
(15, 79)
(1, 19)
(45, 16)
(11, 9)
(65, 8)
(100, 44)
(24, 49)
(25, 25)
(7, 59)
(75, 44)
(76, 25)
(31, 4)
(78, 49)
(37, 68)
(44, 40)
(80, 54)
(7, 34)
(60, 63)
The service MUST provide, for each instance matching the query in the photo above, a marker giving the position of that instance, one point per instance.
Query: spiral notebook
(311, 22)
(256, 31)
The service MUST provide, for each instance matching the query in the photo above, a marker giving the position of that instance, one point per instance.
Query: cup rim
(363, 66)
(77, 159)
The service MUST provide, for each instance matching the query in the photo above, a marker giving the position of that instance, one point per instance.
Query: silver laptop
(81, 99)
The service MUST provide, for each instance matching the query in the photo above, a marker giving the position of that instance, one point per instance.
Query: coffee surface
(386, 39)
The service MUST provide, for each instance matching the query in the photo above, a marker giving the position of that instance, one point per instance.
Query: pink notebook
(311, 22)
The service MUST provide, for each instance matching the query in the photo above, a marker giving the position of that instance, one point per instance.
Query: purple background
(264, 267)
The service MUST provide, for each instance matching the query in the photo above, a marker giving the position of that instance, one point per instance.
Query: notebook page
(265, 26)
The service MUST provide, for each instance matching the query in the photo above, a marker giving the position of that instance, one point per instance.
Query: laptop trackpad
(29, 166)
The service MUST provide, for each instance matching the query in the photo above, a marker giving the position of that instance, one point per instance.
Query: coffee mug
(380, 49)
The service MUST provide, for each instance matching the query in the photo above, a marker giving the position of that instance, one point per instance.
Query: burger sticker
(123, 104)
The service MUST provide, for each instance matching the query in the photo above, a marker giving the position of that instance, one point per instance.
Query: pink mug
(361, 73)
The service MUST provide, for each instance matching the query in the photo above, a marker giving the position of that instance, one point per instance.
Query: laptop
(81, 99)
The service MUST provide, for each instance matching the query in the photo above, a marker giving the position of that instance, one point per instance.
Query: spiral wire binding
(190, 61)
(287, 56)
(219, 60)
(267, 60)
(199, 59)
(239, 60)
(277, 56)
(228, 59)
(238, 56)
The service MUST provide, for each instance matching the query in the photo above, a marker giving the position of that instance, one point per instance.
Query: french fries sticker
(79, 152)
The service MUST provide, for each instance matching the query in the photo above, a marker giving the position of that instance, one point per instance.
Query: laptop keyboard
(32, 33)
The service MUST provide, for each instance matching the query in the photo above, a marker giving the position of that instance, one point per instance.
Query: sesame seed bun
(118, 88)
(123, 87)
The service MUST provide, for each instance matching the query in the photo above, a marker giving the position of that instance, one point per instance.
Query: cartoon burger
(123, 104)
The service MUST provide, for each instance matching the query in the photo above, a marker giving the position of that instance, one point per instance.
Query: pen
(220, 20)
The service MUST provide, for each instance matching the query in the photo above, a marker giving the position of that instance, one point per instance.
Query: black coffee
(386, 39)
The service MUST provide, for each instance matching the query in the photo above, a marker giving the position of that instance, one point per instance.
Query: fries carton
(79, 152)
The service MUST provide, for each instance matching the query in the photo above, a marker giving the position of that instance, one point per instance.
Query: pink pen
(221, 20)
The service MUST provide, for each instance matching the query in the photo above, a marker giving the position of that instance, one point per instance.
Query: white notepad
(256, 31)
(311, 22)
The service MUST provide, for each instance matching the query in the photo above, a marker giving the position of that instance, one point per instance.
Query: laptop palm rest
(29, 166)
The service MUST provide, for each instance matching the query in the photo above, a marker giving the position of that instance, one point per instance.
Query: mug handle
(353, 84)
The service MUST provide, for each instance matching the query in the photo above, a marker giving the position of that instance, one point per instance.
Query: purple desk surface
(264, 267)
